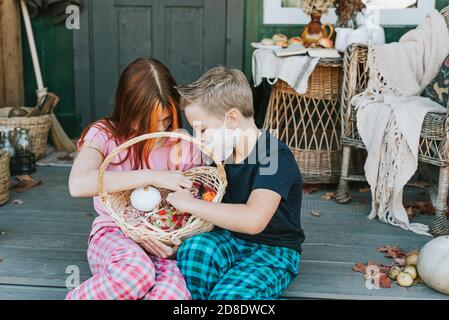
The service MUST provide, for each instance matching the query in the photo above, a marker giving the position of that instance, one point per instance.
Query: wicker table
(310, 123)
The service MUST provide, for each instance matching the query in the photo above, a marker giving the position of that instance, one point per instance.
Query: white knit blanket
(294, 70)
(391, 114)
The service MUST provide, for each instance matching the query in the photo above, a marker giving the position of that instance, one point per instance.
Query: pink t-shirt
(160, 159)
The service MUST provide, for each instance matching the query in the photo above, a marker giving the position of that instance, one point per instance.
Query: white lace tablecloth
(295, 70)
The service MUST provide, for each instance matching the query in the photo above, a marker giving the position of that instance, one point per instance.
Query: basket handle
(156, 135)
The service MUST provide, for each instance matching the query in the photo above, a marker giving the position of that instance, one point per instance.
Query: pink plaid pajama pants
(123, 270)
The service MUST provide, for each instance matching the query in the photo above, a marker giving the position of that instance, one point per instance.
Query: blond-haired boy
(254, 251)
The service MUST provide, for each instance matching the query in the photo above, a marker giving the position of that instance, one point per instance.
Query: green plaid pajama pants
(219, 266)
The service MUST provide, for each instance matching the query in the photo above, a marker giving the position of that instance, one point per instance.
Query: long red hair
(145, 90)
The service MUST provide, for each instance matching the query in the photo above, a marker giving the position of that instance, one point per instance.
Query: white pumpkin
(145, 199)
(433, 264)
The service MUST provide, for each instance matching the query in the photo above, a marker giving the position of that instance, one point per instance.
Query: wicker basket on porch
(213, 178)
(4, 177)
(310, 123)
(37, 128)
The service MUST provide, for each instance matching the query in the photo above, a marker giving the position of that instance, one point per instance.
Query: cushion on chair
(438, 89)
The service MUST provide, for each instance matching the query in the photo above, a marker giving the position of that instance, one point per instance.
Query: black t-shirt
(271, 166)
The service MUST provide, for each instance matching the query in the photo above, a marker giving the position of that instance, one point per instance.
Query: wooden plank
(44, 241)
(82, 66)
(66, 254)
(235, 18)
(17, 292)
(45, 226)
(253, 21)
(40, 272)
(11, 68)
(337, 281)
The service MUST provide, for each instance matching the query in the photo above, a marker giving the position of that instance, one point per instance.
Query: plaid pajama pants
(123, 270)
(219, 266)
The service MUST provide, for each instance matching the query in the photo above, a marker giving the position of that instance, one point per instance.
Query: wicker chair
(434, 135)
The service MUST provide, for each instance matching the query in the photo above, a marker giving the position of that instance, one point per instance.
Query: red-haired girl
(146, 101)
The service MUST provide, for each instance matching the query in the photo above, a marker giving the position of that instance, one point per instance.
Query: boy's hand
(180, 200)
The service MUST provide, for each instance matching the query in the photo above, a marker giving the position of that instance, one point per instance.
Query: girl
(145, 102)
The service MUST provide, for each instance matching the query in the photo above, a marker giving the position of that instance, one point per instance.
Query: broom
(46, 101)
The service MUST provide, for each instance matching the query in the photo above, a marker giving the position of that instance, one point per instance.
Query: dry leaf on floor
(392, 252)
(421, 207)
(359, 267)
(18, 201)
(315, 213)
(1, 259)
(90, 215)
(310, 188)
(410, 212)
(364, 189)
(328, 196)
(25, 183)
(383, 280)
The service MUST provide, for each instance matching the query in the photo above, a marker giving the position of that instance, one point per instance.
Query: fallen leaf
(411, 212)
(25, 183)
(383, 280)
(18, 201)
(328, 196)
(421, 207)
(391, 251)
(1, 259)
(359, 267)
(310, 188)
(315, 213)
(364, 189)
(90, 215)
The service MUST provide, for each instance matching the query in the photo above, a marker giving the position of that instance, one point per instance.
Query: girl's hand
(180, 200)
(158, 249)
(170, 180)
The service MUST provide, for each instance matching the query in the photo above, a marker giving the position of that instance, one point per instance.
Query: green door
(188, 36)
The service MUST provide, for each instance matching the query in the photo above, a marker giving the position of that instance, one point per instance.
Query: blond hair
(219, 90)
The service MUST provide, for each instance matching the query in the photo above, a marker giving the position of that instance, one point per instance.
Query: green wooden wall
(55, 49)
(54, 45)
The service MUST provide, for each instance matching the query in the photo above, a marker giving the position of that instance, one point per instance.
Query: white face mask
(222, 142)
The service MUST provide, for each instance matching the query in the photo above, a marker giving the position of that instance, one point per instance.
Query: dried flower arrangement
(316, 6)
(346, 9)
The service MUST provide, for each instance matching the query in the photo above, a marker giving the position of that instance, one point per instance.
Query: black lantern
(23, 163)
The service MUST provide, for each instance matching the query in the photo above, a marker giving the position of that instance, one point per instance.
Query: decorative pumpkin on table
(315, 31)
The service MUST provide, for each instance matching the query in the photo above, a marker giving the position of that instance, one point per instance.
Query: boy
(254, 251)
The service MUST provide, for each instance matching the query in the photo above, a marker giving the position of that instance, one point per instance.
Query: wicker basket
(310, 123)
(4, 177)
(116, 203)
(37, 127)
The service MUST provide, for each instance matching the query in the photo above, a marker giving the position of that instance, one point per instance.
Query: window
(287, 12)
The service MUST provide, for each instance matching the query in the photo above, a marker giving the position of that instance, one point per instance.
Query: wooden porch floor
(48, 232)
